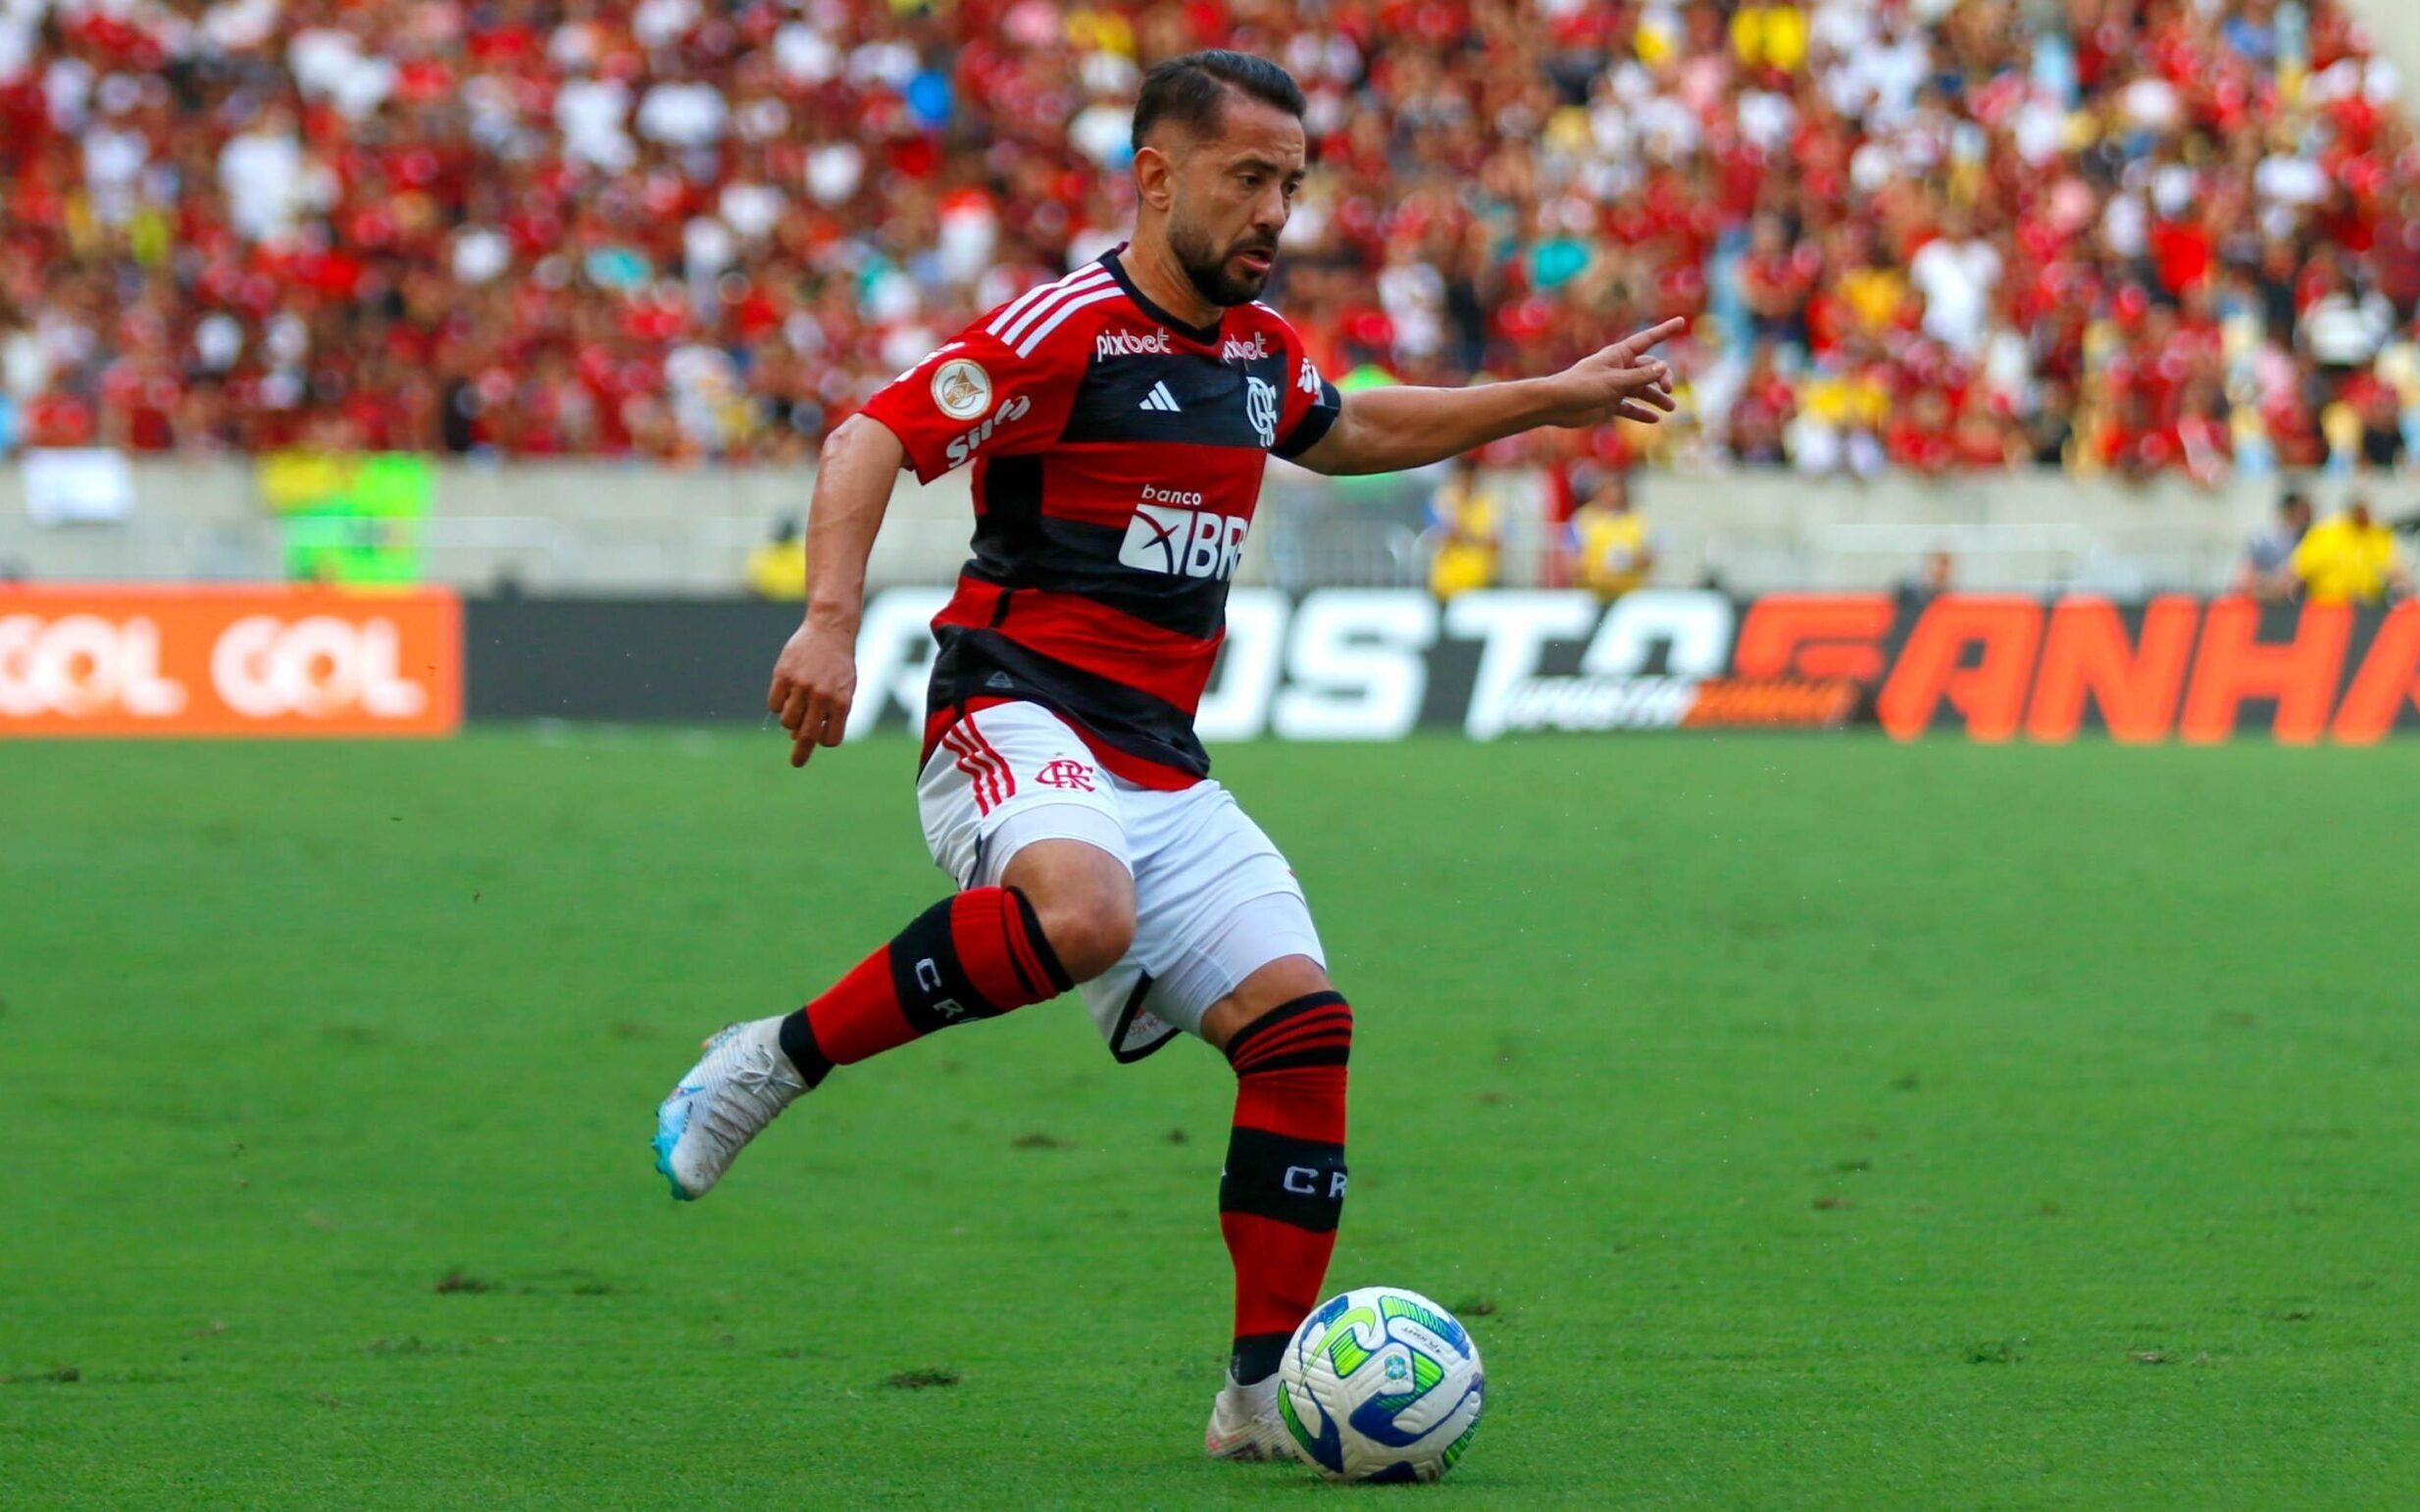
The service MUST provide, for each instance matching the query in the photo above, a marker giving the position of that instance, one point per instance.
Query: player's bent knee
(1283, 980)
(1090, 936)
(1083, 898)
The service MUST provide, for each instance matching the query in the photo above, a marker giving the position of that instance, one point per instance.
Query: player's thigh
(1009, 777)
(1215, 903)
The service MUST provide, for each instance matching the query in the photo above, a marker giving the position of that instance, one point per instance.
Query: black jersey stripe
(984, 664)
(1068, 556)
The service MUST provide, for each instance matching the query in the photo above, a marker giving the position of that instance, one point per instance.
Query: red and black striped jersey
(1117, 455)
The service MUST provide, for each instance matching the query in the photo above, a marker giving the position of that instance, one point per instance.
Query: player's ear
(1155, 174)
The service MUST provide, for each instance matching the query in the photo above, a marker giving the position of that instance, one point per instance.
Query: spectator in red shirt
(1776, 278)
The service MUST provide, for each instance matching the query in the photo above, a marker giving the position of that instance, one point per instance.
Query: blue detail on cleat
(669, 1120)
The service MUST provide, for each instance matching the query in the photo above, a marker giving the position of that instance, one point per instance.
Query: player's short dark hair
(1192, 90)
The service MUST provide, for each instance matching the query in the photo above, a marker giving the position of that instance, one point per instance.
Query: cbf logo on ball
(1260, 402)
(1170, 533)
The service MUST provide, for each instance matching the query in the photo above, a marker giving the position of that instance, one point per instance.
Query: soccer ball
(1381, 1385)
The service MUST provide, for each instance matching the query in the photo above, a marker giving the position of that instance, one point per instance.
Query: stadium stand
(2126, 237)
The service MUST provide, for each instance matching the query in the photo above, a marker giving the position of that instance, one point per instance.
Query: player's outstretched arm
(815, 680)
(1386, 430)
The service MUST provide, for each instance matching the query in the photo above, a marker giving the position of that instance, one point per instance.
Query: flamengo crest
(1260, 403)
(1065, 772)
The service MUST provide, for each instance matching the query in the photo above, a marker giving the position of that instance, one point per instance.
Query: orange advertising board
(202, 660)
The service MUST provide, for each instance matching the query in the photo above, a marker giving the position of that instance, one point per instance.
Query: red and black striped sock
(974, 956)
(1283, 1191)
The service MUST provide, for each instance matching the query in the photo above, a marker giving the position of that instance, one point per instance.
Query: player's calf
(974, 956)
(1283, 1192)
(977, 955)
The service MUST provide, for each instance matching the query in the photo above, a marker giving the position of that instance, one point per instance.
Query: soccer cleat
(1244, 1424)
(743, 1083)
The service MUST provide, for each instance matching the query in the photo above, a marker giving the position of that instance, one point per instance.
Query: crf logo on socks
(1304, 1182)
(1172, 533)
(1065, 772)
(929, 978)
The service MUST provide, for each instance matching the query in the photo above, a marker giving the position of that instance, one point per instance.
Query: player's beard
(1207, 266)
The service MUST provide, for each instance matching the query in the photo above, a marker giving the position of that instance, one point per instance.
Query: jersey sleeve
(1311, 405)
(975, 396)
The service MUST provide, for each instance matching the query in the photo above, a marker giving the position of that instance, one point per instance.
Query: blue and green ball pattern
(1381, 1385)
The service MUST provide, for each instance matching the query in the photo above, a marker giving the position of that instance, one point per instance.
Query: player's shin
(974, 956)
(1284, 1187)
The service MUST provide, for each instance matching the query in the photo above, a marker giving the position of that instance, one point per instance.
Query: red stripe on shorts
(973, 766)
(1007, 774)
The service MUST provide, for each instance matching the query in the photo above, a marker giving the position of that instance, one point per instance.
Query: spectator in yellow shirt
(2349, 559)
(1465, 531)
(1772, 35)
(777, 569)
(1610, 539)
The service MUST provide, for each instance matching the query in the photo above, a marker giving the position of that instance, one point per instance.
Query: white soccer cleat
(1244, 1424)
(742, 1085)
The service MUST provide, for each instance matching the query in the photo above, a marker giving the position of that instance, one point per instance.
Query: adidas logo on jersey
(1159, 398)
(1172, 533)
(1125, 343)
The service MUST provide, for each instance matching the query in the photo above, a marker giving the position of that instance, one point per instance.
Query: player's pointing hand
(814, 682)
(1620, 382)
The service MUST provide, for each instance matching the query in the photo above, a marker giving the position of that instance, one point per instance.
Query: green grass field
(1796, 1121)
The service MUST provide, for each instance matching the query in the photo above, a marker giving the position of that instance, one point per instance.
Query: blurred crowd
(2129, 237)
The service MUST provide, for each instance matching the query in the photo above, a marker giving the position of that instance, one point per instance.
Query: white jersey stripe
(1096, 279)
(1066, 308)
(1018, 306)
(1081, 284)
(1042, 290)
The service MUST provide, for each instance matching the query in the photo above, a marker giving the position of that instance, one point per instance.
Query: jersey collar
(1205, 335)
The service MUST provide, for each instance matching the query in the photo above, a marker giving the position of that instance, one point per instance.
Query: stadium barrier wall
(635, 529)
(1337, 664)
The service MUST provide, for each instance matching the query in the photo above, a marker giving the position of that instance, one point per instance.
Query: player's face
(1233, 193)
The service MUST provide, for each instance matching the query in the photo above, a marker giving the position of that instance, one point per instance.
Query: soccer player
(1117, 422)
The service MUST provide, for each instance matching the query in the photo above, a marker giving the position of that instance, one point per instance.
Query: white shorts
(1214, 901)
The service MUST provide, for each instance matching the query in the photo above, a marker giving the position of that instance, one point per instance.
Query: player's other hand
(814, 682)
(1620, 382)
